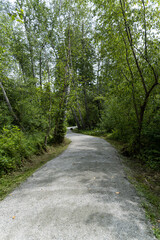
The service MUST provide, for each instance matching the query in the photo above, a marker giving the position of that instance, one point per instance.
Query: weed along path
(82, 194)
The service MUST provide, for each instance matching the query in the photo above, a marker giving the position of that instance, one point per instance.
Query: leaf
(21, 16)
(13, 18)
(18, 20)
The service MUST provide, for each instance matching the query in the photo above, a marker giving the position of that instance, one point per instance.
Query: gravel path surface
(82, 194)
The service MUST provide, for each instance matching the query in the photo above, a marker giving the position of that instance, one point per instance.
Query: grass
(145, 180)
(147, 184)
(10, 181)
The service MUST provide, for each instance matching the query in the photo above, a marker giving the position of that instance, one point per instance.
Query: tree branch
(9, 105)
(152, 68)
(145, 29)
(130, 40)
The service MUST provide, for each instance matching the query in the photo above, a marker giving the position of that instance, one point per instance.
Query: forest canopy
(94, 64)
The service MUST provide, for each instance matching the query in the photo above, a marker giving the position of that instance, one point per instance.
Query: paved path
(82, 194)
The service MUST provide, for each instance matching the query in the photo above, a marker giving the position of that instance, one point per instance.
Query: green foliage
(60, 128)
(8, 182)
(55, 66)
(131, 76)
(11, 145)
(59, 133)
(118, 119)
(5, 117)
(157, 232)
(15, 146)
(94, 132)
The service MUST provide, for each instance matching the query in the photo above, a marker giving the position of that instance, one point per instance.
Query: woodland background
(94, 64)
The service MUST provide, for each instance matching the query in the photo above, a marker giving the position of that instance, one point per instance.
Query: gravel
(82, 194)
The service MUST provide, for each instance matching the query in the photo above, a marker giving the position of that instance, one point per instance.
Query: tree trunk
(9, 105)
(40, 68)
(76, 118)
(141, 112)
(81, 118)
(30, 46)
(83, 80)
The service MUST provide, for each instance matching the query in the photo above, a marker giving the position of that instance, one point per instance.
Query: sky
(12, 1)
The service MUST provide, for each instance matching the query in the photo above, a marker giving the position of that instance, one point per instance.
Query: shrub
(15, 146)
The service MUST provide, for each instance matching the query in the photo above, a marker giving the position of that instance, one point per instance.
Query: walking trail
(82, 194)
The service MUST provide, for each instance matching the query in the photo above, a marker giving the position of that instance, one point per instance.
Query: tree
(129, 50)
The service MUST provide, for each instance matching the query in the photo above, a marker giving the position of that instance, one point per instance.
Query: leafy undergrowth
(16, 146)
(95, 132)
(10, 181)
(147, 184)
(145, 179)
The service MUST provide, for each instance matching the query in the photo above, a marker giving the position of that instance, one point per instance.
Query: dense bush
(60, 128)
(119, 119)
(15, 146)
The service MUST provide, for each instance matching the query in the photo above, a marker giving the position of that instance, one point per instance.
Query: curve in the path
(81, 195)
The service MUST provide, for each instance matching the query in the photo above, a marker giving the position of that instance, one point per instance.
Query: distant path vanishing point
(82, 194)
